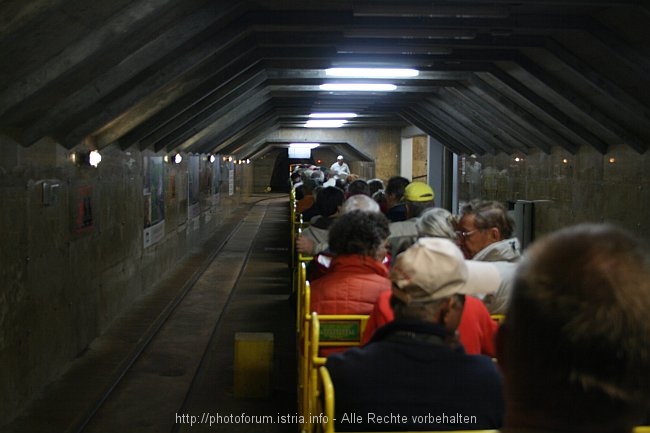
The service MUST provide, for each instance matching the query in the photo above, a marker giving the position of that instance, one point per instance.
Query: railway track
(153, 386)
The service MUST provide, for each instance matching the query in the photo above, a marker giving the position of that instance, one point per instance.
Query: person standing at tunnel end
(574, 348)
(340, 167)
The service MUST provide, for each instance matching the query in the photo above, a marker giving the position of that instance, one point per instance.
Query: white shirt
(340, 168)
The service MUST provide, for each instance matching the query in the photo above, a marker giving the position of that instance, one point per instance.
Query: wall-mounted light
(611, 160)
(178, 158)
(230, 159)
(518, 159)
(166, 159)
(212, 158)
(248, 161)
(92, 158)
(565, 161)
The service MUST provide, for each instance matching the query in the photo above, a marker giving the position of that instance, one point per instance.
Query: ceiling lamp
(325, 123)
(304, 145)
(94, 158)
(358, 87)
(372, 72)
(332, 115)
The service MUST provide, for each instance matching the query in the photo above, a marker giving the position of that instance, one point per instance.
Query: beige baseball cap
(434, 268)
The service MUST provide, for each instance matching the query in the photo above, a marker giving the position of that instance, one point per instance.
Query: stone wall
(587, 186)
(73, 256)
(74, 261)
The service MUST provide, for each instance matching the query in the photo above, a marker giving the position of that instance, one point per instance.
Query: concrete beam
(440, 134)
(544, 107)
(489, 118)
(484, 90)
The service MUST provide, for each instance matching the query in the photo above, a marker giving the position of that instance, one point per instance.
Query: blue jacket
(409, 377)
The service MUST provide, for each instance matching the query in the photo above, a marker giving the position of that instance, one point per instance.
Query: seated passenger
(359, 186)
(323, 260)
(313, 210)
(356, 275)
(486, 232)
(574, 345)
(375, 185)
(477, 330)
(308, 196)
(314, 237)
(395, 208)
(414, 374)
(418, 196)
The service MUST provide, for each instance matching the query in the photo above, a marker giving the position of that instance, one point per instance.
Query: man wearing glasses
(485, 233)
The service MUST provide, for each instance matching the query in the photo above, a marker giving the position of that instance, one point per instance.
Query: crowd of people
(572, 353)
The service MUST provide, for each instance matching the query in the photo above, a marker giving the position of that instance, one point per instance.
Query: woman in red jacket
(356, 275)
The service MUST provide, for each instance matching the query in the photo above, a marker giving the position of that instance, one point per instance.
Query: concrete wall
(64, 278)
(588, 186)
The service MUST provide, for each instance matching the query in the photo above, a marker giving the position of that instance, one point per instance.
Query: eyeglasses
(465, 235)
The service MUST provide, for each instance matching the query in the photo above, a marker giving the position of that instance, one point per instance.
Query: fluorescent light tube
(304, 145)
(358, 87)
(325, 123)
(332, 115)
(371, 72)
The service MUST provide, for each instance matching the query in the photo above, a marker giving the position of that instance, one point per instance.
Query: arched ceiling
(220, 76)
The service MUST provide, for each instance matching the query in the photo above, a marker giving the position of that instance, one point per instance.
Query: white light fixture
(304, 145)
(372, 72)
(325, 123)
(358, 87)
(178, 158)
(301, 150)
(212, 158)
(94, 158)
(332, 115)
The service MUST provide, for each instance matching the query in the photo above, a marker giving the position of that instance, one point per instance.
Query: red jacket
(350, 286)
(477, 329)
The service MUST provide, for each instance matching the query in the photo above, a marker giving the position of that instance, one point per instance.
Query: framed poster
(154, 199)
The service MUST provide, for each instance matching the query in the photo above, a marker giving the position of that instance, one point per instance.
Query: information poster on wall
(154, 200)
(216, 180)
(231, 179)
(194, 188)
(83, 217)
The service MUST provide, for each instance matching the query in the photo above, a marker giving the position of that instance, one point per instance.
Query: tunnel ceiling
(218, 76)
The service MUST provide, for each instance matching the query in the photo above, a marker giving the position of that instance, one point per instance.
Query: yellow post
(253, 364)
